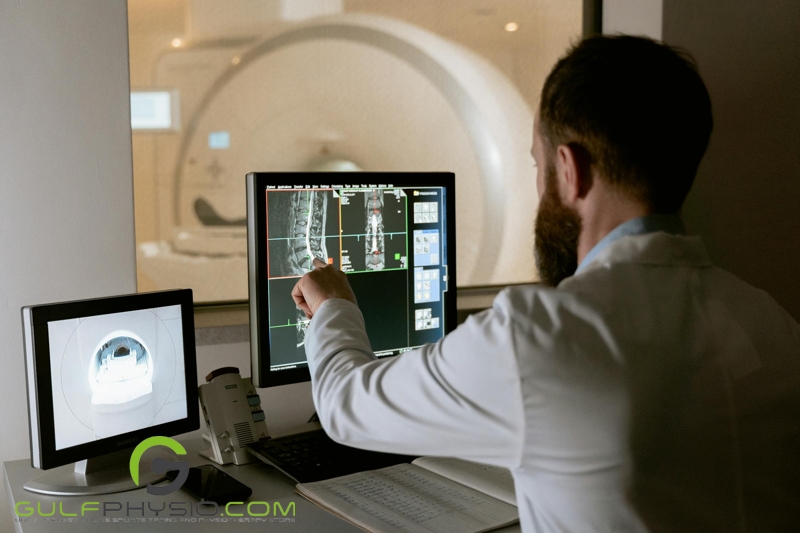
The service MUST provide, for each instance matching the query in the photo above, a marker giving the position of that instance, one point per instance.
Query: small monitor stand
(105, 474)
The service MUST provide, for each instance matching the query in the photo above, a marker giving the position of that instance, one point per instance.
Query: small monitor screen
(116, 373)
(389, 240)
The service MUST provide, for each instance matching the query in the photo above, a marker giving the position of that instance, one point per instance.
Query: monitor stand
(105, 474)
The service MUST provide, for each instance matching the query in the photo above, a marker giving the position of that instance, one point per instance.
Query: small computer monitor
(105, 374)
(393, 234)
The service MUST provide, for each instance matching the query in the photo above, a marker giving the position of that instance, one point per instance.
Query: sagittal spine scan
(309, 211)
(374, 245)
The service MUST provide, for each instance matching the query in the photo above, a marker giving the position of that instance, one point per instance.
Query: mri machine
(346, 92)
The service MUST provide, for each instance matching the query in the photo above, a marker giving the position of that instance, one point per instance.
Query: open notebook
(429, 495)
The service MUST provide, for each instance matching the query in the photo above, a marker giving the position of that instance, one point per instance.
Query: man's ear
(573, 166)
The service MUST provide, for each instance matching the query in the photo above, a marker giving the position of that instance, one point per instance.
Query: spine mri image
(375, 258)
(357, 230)
(301, 228)
(308, 212)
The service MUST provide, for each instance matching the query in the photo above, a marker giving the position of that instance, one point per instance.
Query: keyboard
(313, 456)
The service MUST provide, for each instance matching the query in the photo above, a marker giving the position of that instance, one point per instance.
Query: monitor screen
(388, 233)
(116, 373)
(106, 373)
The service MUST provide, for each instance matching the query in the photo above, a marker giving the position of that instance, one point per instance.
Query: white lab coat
(649, 392)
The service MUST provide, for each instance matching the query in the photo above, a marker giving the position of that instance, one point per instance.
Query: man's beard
(557, 230)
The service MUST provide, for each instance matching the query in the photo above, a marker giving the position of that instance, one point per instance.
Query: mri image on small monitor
(116, 373)
(104, 374)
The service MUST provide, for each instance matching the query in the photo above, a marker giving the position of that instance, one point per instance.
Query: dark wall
(746, 200)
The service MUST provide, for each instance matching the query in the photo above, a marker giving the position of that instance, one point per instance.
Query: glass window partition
(233, 87)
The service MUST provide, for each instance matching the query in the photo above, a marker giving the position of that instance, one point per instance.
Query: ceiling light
(512, 26)
(235, 60)
(176, 43)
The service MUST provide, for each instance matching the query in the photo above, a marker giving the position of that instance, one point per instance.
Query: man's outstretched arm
(459, 397)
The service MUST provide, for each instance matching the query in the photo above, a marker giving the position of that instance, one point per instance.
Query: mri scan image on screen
(116, 373)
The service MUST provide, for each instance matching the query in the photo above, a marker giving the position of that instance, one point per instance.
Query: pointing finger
(318, 263)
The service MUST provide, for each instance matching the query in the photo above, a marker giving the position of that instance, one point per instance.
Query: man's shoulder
(546, 307)
(643, 288)
(752, 304)
(523, 298)
(611, 291)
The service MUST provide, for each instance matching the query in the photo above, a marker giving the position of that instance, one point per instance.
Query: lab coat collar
(636, 226)
(659, 248)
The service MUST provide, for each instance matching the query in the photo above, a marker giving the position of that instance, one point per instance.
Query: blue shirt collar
(637, 226)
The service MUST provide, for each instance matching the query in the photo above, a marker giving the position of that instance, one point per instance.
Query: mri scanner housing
(350, 91)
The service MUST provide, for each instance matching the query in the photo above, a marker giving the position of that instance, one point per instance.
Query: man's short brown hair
(638, 108)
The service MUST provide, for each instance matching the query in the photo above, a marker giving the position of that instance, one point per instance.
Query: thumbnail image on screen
(368, 233)
(116, 373)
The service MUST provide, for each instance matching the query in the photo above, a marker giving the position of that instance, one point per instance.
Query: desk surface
(268, 485)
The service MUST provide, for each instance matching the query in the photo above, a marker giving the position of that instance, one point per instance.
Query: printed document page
(408, 499)
(492, 480)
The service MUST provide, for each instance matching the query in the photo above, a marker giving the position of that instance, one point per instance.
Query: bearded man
(638, 387)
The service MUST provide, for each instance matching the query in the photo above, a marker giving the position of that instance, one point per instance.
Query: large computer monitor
(393, 234)
(103, 375)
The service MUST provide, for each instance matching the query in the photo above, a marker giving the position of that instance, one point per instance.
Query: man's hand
(320, 284)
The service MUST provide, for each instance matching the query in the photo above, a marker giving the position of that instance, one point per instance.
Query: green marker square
(397, 257)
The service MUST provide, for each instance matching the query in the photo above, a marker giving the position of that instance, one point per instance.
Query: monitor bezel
(43, 444)
(256, 256)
